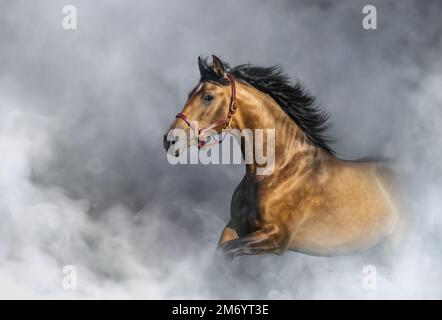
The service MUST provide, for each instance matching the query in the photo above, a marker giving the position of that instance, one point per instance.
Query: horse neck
(293, 150)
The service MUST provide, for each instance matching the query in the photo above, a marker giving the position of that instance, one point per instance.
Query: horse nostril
(166, 143)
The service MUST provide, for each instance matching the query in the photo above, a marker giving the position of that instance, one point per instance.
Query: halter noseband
(226, 121)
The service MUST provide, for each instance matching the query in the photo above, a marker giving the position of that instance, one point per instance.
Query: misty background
(84, 178)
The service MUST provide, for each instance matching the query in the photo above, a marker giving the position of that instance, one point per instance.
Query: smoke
(84, 179)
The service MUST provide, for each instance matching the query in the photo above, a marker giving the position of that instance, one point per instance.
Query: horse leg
(229, 233)
(265, 240)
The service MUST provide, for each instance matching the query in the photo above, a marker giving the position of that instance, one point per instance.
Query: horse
(313, 202)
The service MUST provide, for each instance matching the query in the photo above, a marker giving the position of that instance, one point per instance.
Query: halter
(226, 121)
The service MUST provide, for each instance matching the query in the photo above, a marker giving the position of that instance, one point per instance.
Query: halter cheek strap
(226, 121)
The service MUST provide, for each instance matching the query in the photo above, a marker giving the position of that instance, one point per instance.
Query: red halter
(199, 131)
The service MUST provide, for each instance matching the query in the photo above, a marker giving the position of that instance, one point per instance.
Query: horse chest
(244, 209)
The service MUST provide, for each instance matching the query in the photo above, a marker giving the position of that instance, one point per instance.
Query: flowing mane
(291, 97)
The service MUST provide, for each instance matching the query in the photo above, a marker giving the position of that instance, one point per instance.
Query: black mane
(291, 97)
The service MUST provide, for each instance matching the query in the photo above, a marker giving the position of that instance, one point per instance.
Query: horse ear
(201, 66)
(218, 66)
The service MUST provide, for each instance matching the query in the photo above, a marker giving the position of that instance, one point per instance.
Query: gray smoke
(84, 179)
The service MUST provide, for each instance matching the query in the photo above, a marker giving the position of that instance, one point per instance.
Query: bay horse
(313, 202)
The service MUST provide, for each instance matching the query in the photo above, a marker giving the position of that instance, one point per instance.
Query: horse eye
(208, 98)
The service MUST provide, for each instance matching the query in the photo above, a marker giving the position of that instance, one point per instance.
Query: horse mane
(290, 96)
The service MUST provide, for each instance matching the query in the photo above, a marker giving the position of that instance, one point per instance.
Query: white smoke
(85, 182)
